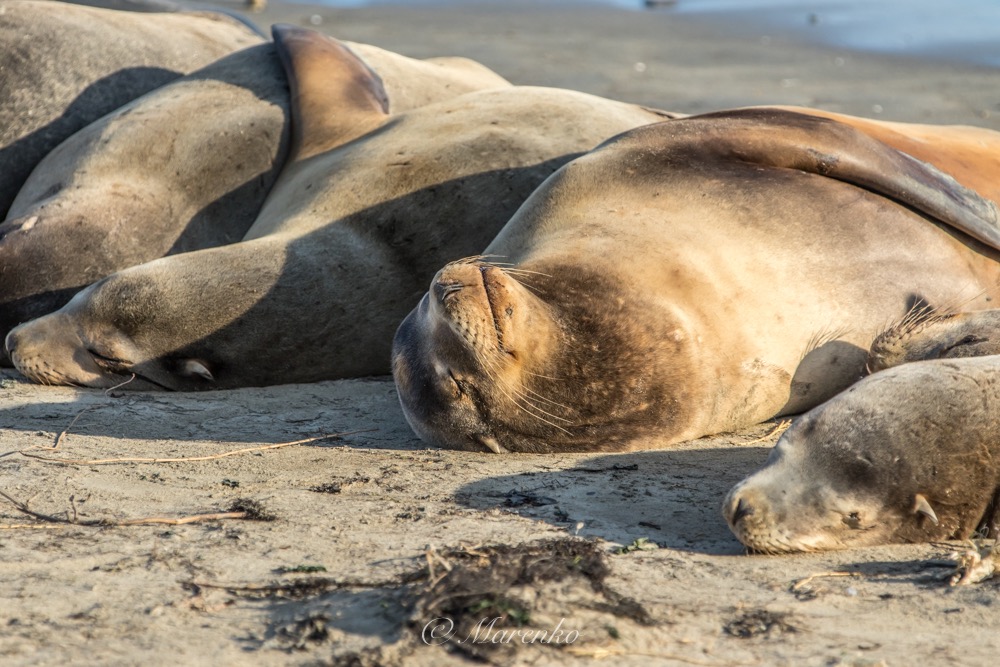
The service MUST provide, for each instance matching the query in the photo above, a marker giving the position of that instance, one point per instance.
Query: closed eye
(108, 363)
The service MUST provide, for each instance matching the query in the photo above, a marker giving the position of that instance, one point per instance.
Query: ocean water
(963, 30)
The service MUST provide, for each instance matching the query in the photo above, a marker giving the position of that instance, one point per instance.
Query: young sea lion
(909, 454)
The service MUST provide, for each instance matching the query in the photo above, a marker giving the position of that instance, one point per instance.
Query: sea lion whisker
(494, 365)
(497, 378)
(512, 395)
(516, 270)
(532, 393)
(539, 375)
(513, 398)
(535, 405)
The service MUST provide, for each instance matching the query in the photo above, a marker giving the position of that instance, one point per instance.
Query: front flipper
(780, 138)
(335, 96)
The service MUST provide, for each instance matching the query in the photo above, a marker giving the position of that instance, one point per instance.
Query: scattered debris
(305, 569)
(758, 623)
(241, 509)
(303, 633)
(252, 510)
(803, 589)
(639, 544)
(183, 459)
(975, 565)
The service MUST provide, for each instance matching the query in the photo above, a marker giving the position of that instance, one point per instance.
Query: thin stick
(803, 582)
(599, 653)
(56, 522)
(188, 459)
(53, 521)
(780, 428)
(62, 433)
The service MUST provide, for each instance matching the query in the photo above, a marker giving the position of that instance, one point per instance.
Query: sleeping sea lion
(909, 454)
(188, 165)
(936, 334)
(687, 278)
(342, 247)
(64, 66)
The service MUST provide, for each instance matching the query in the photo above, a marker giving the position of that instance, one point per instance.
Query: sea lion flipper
(787, 139)
(335, 95)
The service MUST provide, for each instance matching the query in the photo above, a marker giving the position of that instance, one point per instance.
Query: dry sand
(374, 534)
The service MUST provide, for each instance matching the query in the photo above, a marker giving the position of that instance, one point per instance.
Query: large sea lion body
(341, 249)
(64, 66)
(688, 278)
(909, 454)
(185, 167)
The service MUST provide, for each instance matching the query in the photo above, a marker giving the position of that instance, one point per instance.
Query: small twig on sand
(780, 428)
(309, 585)
(107, 392)
(65, 522)
(802, 583)
(62, 434)
(599, 653)
(188, 459)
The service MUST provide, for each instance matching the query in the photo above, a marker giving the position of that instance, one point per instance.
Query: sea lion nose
(10, 343)
(743, 509)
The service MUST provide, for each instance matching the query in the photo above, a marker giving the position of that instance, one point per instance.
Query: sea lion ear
(335, 96)
(192, 367)
(921, 506)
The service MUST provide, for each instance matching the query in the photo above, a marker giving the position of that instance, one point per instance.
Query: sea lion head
(514, 359)
(119, 330)
(874, 465)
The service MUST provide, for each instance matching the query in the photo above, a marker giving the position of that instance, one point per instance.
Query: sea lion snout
(47, 351)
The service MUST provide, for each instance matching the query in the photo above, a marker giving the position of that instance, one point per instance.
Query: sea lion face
(790, 505)
(870, 466)
(96, 342)
(503, 359)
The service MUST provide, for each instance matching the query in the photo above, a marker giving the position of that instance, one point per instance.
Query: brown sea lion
(909, 454)
(188, 165)
(341, 249)
(934, 334)
(688, 278)
(63, 66)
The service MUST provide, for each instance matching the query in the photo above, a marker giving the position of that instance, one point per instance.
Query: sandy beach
(371, 548)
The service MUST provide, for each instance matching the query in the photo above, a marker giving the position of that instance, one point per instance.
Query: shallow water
(962, 30)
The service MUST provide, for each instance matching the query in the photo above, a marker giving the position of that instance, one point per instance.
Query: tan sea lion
(929, 333)
(909, 454)
(188, 165)
(63, 66)
(341, 249)
(688, 278)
